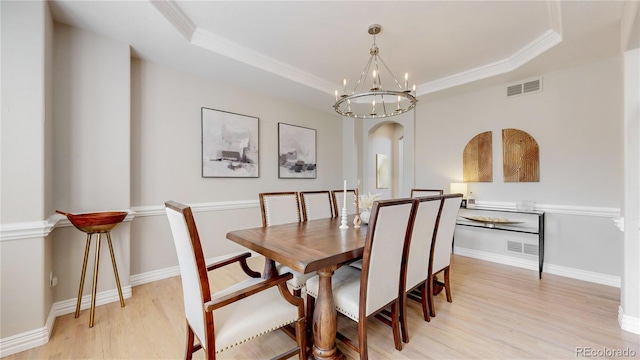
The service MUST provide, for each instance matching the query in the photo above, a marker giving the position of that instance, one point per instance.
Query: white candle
(344, 199)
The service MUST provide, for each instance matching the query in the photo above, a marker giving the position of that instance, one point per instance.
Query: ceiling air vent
(525, 87)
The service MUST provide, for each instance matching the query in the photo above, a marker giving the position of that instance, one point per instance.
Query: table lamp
(459, 188)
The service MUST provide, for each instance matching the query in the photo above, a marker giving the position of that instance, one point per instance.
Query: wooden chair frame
(304, 203)
(432, 280)
(334, 200)
(439, 191)
(263, 207)
(210, 305)
(394, 322)
(420, 292)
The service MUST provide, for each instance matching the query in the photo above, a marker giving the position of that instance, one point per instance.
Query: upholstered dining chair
(425, 192)
(236, 314)
(283, 208)
(338, 198)
(442, 246)
(316, 205)
(361, 294)
(424, 230)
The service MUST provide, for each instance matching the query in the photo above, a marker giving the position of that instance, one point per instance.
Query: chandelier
(375, 102)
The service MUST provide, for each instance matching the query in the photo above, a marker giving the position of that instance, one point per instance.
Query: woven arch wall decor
(521, 156)
(477, 163)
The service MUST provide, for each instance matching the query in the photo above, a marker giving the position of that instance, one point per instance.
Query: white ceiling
(302, 50)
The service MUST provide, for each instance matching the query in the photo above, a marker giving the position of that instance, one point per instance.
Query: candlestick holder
(356, 222)
(343, 223)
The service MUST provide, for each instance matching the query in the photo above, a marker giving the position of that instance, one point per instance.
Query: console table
(527, 222)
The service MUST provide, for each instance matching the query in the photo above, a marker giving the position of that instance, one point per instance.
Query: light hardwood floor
(498, 312)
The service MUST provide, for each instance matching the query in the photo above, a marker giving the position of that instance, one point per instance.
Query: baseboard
(28, 339)
(155, 275)
(105, 297)
(628, 323)
(590, 276)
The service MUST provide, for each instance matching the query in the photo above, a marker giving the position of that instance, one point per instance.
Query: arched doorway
(393, 139)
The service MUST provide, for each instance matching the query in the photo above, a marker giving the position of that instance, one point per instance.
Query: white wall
(577, 122)
(630, 292)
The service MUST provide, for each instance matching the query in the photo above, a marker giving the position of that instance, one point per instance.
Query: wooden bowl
(98, 222)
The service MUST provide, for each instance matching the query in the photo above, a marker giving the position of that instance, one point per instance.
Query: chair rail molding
(36, 229)
(39, 229)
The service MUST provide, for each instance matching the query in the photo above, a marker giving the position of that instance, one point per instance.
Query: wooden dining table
(315, 245)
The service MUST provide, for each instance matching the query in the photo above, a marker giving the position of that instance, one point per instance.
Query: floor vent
(525, 87)
(522, 248)
(530, 249)
(514, 246)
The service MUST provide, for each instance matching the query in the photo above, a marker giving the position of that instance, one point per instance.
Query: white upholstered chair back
(444, 235)
(415, 193)
(189, 250)
(279, 208)
(338, 199)
(316, 205)
(424, 228)
(389, 228)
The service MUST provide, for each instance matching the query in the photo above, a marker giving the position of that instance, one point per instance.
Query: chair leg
(432, 308)
(403, 318)
(297, 292)
(395, 326)
(301, 338)
(311, 303)
(424, 288)
(447, 287)
(190, 339)
(363, 349)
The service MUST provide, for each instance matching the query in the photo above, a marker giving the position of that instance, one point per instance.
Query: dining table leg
(325, 319)
(270, 270)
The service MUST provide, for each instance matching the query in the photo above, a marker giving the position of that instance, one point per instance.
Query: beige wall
(25, 297)
(91, 145)
(166, 158)
(126, 134)
(577, 122)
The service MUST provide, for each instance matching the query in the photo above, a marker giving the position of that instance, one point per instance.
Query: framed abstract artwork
(296, 152)
(230, 144)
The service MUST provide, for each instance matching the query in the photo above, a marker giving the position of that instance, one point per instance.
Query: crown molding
(222, 46)
(174, 14)
(629, 12)
(529, 52)
(209, 41)
(555, 15)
